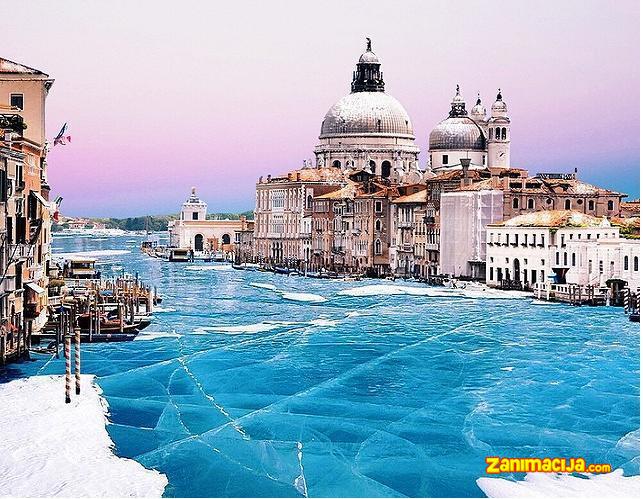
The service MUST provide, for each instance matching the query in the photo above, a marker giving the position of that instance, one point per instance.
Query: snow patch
(563, 485)
(91, 254)
(52, 448)
(208, 267)
(305, 297)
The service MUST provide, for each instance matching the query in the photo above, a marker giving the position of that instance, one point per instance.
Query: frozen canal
(251, 384)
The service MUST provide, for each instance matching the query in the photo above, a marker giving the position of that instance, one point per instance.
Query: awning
(35, 288)
(42, 200)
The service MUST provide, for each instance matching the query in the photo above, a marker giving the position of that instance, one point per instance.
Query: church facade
(195, 232)
(366, 206)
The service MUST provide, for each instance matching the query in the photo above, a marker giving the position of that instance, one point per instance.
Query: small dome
(369, 57)
(499, 106)
(367, 113)
(457, 134)
(478, 112)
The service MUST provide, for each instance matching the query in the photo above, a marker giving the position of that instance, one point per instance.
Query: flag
(63, 136)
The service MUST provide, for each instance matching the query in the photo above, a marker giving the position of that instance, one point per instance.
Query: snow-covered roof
(555, 219)
(7, 66)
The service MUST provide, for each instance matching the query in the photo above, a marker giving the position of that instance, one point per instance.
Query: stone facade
(25, 224)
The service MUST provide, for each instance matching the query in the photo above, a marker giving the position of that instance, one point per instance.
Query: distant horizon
(152, 115)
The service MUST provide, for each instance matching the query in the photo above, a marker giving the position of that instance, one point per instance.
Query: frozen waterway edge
(55, 449)
(563, 485)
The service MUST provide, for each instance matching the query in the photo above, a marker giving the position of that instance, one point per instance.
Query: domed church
(368, 129)
(485, 141)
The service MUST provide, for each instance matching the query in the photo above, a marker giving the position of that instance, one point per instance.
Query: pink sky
(162, 96)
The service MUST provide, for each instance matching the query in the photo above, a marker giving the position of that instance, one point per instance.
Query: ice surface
(563, 485)
(388, 394)
(53, 448)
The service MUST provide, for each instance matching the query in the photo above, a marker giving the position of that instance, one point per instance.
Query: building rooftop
(325, 174)
(554, 219)
(416, 197)
(569, 186)
(7, 66)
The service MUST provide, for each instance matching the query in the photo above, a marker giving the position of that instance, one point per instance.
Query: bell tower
(499, 134)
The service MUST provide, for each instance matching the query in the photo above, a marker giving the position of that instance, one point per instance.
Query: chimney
(465, 162)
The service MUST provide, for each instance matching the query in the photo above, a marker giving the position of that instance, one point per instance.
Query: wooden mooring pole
(77, 331)
(67, 337)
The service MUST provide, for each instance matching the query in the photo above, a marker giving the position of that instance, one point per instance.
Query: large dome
(367, 113)
(457, 134)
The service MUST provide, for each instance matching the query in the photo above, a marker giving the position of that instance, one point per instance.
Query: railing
(19, 251)
(405, 224)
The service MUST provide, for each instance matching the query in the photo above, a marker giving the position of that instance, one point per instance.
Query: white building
(193, 231)
(464, 216)
(559, 247)
(485, 141)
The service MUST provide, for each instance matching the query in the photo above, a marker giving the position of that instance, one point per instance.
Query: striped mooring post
(67, 368)
(77, 331)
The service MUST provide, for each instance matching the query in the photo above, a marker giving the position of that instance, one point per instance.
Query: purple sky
(161, 96)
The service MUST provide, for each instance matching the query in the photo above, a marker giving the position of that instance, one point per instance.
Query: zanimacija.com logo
(497, 465)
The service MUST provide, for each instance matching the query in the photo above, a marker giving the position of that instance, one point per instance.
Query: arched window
(504, 133)
(378, 225)
(198, 242)
(626, 263)
(636, 264)
(610, 205)
(590, 205)
(573, 259)
(386, 169)
(371, 165)
(225, 239)
(568, 204)
(378, 247)
(309, 202)
(565, 258)
(337, 163)
(497, 133)
(530, 204)
(516, 203)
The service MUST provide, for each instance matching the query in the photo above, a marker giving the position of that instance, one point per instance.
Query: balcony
(20, 251)
(405, 224)
(406, 248)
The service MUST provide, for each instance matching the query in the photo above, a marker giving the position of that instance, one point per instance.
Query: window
(497, 133)
(626, 263)
(386, 168)
(530, 204)
(590, 205)
(573, 259)
(568, 204)
(445, 159)
(484, 160)
(600, 265)
(18, 100)
(378, 206)
(565, 259)
(195, 215)
(557, 258)
(378, 247)
(516, 203)
(636, 264)
(337, 163)
(504, 133)
(610, 205)
(378, 225)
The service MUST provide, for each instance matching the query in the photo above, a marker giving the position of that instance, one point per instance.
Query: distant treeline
(153, 223)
